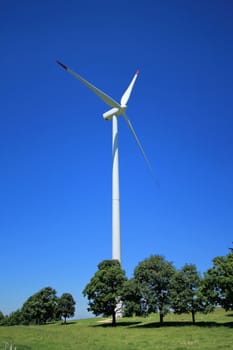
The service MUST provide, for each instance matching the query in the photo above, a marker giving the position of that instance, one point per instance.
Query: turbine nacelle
(114, 111)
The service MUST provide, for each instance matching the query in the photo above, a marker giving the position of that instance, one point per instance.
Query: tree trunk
(113, 319)
(161, 318)
(193, 316)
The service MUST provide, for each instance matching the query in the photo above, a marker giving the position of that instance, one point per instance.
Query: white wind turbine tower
(112, 114)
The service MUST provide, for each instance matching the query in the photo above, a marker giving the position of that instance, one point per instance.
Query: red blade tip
(62, 65)
(137, 72)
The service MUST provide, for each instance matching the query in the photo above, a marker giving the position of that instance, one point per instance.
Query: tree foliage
(40, 307)
(217, 285)
(184, 293)
(104, 288)
(131, 296)
(2, 317)
(14, 318)
(153, 276)
(43, 306)
(66, 306)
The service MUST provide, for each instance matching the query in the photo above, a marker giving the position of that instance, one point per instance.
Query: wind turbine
(116, 110)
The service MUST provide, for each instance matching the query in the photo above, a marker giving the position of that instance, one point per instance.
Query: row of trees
(158, 287)
(42, 307)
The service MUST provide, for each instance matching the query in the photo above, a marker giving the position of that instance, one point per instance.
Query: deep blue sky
(55, 147)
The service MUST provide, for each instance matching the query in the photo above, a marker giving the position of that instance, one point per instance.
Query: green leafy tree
(40, 307)
(66, 306)
(184, 292)
(153, 276)
(131, 296)
(2, 317)
(14, 318)
(104, 288)
(217, 286)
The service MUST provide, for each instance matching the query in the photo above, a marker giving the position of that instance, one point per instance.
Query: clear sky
(55, 147)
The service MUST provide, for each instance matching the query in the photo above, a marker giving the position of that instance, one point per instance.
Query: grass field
(212, 332)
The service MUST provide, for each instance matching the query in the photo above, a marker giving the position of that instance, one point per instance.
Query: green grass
(213, 332)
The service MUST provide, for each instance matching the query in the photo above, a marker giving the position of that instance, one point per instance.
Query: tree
(104, 288)
(217, 285)
(40, 307)
(231, 250)
(14, 318)
(153, 276)
(184, 293)
(131, 296)
(66, 306)
(2, 317)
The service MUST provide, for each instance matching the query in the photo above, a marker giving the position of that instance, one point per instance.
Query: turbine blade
(125, 97)
(107, 99)
(140, 147)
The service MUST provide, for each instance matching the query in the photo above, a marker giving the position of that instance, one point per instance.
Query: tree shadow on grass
(118, 324)
(184, 324)
(23, 347)
(68, 323)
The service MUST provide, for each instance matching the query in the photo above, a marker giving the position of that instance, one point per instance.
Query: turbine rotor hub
(114, 111)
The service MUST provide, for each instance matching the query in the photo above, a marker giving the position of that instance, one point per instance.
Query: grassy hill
(212, 332)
